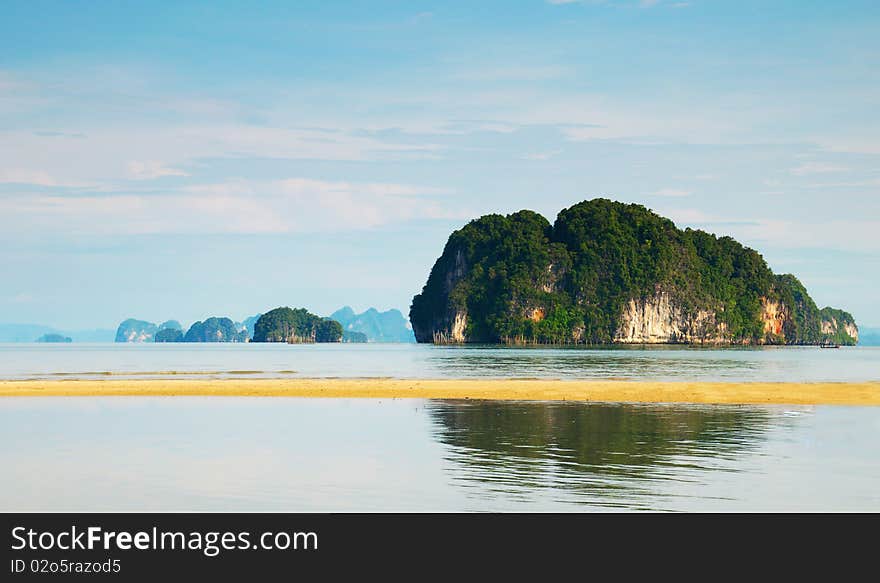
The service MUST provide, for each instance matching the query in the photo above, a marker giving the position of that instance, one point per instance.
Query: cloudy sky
(188, 159)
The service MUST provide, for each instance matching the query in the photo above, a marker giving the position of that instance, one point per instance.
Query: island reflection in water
(604, 455)
(217, 454)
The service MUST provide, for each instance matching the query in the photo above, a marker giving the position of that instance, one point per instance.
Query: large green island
(606, 272)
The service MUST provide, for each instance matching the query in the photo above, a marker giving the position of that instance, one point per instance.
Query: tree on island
(296, 326)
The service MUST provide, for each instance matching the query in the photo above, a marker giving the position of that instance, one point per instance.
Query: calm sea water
(18, 361)
(245, 454)
(288, 454)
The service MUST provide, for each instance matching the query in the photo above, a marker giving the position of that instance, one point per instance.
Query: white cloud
(150, 169)
(843, 234)
(689, 216)
(107, 155)
(808, 168)
(37, 178)
(851, 235)
(541, 155)
(294, 205)
(672, 192)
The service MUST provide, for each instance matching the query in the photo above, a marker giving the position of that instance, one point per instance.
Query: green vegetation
(520, 280)
(168, 335)
(215, 330)
(295, 326)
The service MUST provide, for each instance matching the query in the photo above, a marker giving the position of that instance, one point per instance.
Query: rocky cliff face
(453, 330)
(658, 320)
(832, 327)
(449, 326)
(775, 316)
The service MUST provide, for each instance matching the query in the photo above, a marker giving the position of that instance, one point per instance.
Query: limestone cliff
(838, 327)
(774, 316)
(659, 320)
(446, 326)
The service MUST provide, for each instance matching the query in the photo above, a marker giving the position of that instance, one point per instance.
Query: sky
(181, 160)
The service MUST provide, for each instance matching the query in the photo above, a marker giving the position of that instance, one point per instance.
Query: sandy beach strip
(820, 393)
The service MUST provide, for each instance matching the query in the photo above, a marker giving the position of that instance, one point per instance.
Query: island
(133, 330)
(216, 330)
(53, 338)
(296, 326)
(606, 272)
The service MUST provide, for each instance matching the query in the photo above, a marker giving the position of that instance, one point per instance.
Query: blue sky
(182, 160)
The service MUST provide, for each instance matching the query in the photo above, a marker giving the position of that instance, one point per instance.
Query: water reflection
(604, 455)
(658, 363)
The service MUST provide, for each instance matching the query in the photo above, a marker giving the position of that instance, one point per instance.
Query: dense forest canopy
(517, 278)
(294, 326)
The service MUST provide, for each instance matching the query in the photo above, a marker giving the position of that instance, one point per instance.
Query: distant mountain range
(869, 336)
(388, 326)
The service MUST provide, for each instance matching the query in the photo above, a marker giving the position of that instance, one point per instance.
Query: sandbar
(746, 393)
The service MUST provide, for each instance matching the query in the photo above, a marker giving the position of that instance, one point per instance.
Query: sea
(172, 454)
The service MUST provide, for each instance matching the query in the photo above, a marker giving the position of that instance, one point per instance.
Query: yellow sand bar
(865, 393)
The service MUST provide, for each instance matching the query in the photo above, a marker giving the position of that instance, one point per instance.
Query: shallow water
(283, 454)
(18, 361)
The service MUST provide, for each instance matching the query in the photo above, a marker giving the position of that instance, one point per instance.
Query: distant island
(216, 330)
(607, 272)
(54, 338)
(296, 326)
(283, 324)
(133, 330)
(373, 325)
(34, 333)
